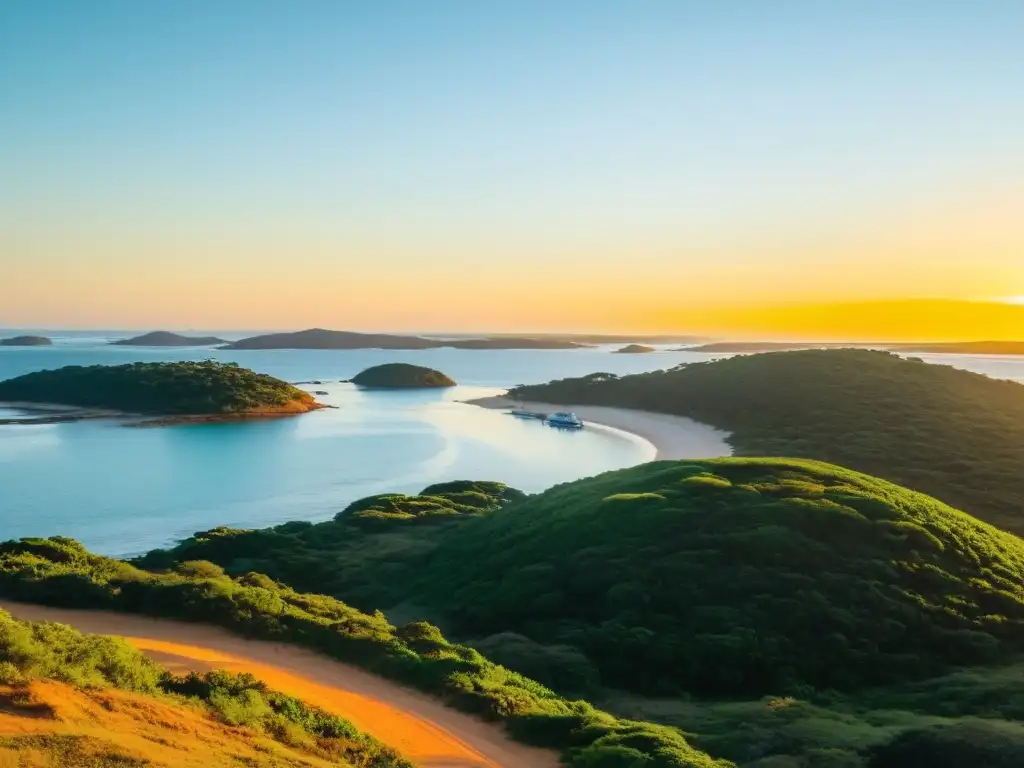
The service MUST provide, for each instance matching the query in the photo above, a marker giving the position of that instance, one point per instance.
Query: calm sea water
(123, 491)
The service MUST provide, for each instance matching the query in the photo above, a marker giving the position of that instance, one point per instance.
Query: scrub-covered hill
(720, 577)
(956, 435)
(60, 572)
(737, 576)
(366, 555)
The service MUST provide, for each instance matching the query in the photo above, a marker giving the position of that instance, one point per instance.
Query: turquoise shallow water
(123, 491)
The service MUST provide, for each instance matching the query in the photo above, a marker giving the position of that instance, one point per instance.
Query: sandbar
(673, 437)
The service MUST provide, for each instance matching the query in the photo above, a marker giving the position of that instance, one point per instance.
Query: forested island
(168, 339)
(320, 338)
(634, 349)
(950, 433)
(181, 390)
(26, 341)
(401, 376)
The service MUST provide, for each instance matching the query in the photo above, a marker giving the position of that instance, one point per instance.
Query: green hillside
(160, 388)
(724, 577)
(737, 576)
(956, 435)
(780, 613)
(60, 572)
(365, 555)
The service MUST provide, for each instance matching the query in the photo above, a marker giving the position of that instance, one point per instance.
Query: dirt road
(424, 730)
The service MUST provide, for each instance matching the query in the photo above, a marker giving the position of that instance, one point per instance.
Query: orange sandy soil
(53, 725)
(418, 726)
(292, 408)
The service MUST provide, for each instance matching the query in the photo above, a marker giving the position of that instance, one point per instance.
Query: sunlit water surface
(123, 491)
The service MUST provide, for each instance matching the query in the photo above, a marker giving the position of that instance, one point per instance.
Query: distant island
(584, 339)
(965, 347)
(947, 347)
(181, 392)
(320, 338)
(767, 346)
(168, 339)
(26, 341)
(634, 349)
(401, 376)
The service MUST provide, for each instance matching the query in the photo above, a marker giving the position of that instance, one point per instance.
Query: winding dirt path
(421, 728)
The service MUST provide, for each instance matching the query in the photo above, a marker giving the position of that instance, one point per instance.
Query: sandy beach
(420, 727)
(674, 437)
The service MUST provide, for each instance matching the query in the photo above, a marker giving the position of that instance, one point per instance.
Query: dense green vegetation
(46, 650)
(956, 435)
(401, 376)
(738, 576)
(26, 341)
(366, 553)
(61, 572)
(800, 615)
(723, 577)
(959, 713)
(159, 388)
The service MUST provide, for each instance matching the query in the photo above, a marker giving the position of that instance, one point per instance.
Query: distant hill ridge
(321, 338)
(947, 347)
(26, 341)
(168, 339)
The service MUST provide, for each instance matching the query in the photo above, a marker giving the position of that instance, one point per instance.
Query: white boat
(564, 420)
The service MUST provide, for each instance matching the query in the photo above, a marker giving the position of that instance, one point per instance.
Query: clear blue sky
(429, 140)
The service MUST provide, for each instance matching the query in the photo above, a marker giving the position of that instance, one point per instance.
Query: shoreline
(673, 437)
(56, 413)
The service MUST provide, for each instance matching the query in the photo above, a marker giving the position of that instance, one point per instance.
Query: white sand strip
(674, 437)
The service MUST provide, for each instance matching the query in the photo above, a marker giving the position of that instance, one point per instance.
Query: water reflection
(125, 490)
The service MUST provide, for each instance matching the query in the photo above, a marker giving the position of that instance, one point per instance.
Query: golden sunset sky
(797, 171)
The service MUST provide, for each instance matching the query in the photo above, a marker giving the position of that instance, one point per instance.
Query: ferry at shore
(564, 420)
(561, 419)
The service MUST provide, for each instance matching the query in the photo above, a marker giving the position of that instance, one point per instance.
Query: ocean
(124, 491)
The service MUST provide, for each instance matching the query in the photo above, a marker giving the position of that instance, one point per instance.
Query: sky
(507, 166)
